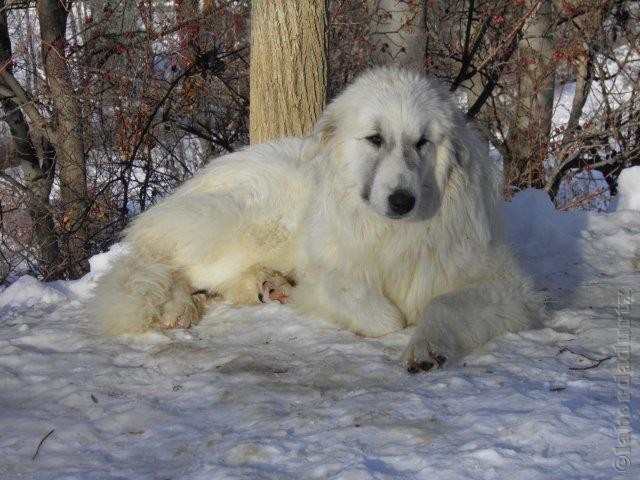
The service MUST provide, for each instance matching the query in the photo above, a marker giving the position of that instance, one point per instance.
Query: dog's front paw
(421, 356)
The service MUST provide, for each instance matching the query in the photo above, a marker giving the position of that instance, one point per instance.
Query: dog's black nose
(401, 202)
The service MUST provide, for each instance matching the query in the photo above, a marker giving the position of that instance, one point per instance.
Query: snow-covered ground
(258, 393)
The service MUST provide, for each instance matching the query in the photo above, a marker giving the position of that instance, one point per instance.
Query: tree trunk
(38, 174)
(589, 25)
(67, 133)
(288, 80)
(528, 137)
(564, 159)
(397, 33)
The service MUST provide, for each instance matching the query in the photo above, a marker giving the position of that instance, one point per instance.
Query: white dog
(388, 215)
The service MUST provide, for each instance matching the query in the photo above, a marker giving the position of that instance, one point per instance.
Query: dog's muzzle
(400, 203)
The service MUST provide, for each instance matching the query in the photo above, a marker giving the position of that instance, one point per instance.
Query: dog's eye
(375, 140)
(421, 143)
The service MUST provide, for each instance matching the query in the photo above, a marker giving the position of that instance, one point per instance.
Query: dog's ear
(456, 146)
(321, 135)
(452, 155)
(452, 151)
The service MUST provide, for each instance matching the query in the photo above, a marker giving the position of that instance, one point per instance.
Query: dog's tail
(129, 297)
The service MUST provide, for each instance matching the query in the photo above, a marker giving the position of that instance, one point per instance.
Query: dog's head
(392, 132)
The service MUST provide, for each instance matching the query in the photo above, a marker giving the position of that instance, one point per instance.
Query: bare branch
(22, 97)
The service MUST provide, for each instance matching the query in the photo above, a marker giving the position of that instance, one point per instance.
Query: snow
(27, 291)
(628, 197)
(260, 393)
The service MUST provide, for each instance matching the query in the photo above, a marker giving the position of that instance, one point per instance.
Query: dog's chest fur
(393, 258)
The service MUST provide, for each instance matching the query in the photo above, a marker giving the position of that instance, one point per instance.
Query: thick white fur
(316, 210)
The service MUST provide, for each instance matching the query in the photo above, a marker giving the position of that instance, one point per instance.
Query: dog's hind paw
(268, 291)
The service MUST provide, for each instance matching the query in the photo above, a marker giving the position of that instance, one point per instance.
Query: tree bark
(528, 137)
(397, 33)
(67, 133)
(38, 173)
(288, 81)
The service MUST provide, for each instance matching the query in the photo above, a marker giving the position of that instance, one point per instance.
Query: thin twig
(582, 200)
(596, 361)
(511, 35)
(44, 439)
